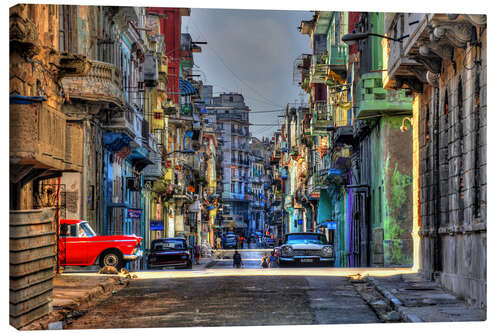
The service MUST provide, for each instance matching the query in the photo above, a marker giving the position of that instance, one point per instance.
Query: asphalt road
(223, 296)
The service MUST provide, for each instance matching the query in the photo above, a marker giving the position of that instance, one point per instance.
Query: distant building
(233, 156)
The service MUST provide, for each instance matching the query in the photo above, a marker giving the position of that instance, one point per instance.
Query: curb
(395, 302)
(59, 316)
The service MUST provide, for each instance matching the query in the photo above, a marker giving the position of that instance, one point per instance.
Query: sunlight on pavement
(275, 272)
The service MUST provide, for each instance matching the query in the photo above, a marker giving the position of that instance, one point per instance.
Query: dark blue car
(229, 241)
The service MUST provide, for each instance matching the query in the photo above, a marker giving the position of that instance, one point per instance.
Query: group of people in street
(265, 262)
(269, 261)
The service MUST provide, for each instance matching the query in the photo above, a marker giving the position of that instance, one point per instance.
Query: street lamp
(353, 38)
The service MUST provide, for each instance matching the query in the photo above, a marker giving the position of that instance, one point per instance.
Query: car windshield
(306, 239)
(87, 229)
(169, 244)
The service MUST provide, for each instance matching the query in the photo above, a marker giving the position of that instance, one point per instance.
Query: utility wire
(236, 76)
(266, 111)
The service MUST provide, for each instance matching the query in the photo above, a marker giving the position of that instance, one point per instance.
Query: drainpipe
(58, 221)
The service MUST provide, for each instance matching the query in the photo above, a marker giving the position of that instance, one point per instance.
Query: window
(170, 244)
(86, 230)
(68, 230)
(65, 27)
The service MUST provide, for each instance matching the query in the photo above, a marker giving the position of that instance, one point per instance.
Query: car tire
(111, 258)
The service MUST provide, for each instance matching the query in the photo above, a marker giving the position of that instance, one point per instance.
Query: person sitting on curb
(264, 262)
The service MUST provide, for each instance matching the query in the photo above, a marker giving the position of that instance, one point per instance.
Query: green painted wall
(377, 24)
(391, 179)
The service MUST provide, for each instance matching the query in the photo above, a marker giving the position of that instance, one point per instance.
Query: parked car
(169, 252)
(306, 247)
(79, 245)
(230, 241)
(269, 242)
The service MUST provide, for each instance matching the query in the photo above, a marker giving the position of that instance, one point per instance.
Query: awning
(186, 88)
(140, 158)
(329, 224)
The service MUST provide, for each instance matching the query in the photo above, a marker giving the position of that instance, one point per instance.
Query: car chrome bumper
(129, 257)
(298, 258)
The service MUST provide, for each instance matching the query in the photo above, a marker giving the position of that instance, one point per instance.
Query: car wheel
(111, 258)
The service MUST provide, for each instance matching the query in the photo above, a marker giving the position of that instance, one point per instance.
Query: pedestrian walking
(237, 259)
(272, 259)
(264, 262)
(218, 242)
(249, 240)
(197, 253)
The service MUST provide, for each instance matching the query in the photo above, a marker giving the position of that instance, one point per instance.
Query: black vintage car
(169, 252)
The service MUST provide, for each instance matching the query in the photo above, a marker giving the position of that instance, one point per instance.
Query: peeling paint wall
(392, 193)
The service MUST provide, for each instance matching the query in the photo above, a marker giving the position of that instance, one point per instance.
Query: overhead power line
(232, 72)
(266, 111)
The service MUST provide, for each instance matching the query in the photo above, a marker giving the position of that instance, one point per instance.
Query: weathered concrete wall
(72, 182)
(453, 198)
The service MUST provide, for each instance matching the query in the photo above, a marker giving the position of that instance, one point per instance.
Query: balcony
(126, 122)
(322, 119)
(344, 134)
(41, 137)
(431, 39)
(337, 60)
(375, 101)
(301, 68)
(181, 193)
(154, 170)
(319, 69)
(101, 84)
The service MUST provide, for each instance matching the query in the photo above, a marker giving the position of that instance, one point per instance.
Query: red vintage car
(80, 246)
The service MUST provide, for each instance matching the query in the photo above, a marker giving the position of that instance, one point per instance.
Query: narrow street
(147, 143)
(204, 298)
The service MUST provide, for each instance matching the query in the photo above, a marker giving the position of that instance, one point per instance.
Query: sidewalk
(74, 293)
(419, 300)
(205, 262)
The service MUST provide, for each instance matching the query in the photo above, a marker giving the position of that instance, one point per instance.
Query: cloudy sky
(251, 52)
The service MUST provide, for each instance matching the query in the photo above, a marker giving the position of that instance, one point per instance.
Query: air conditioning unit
(133, 184)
